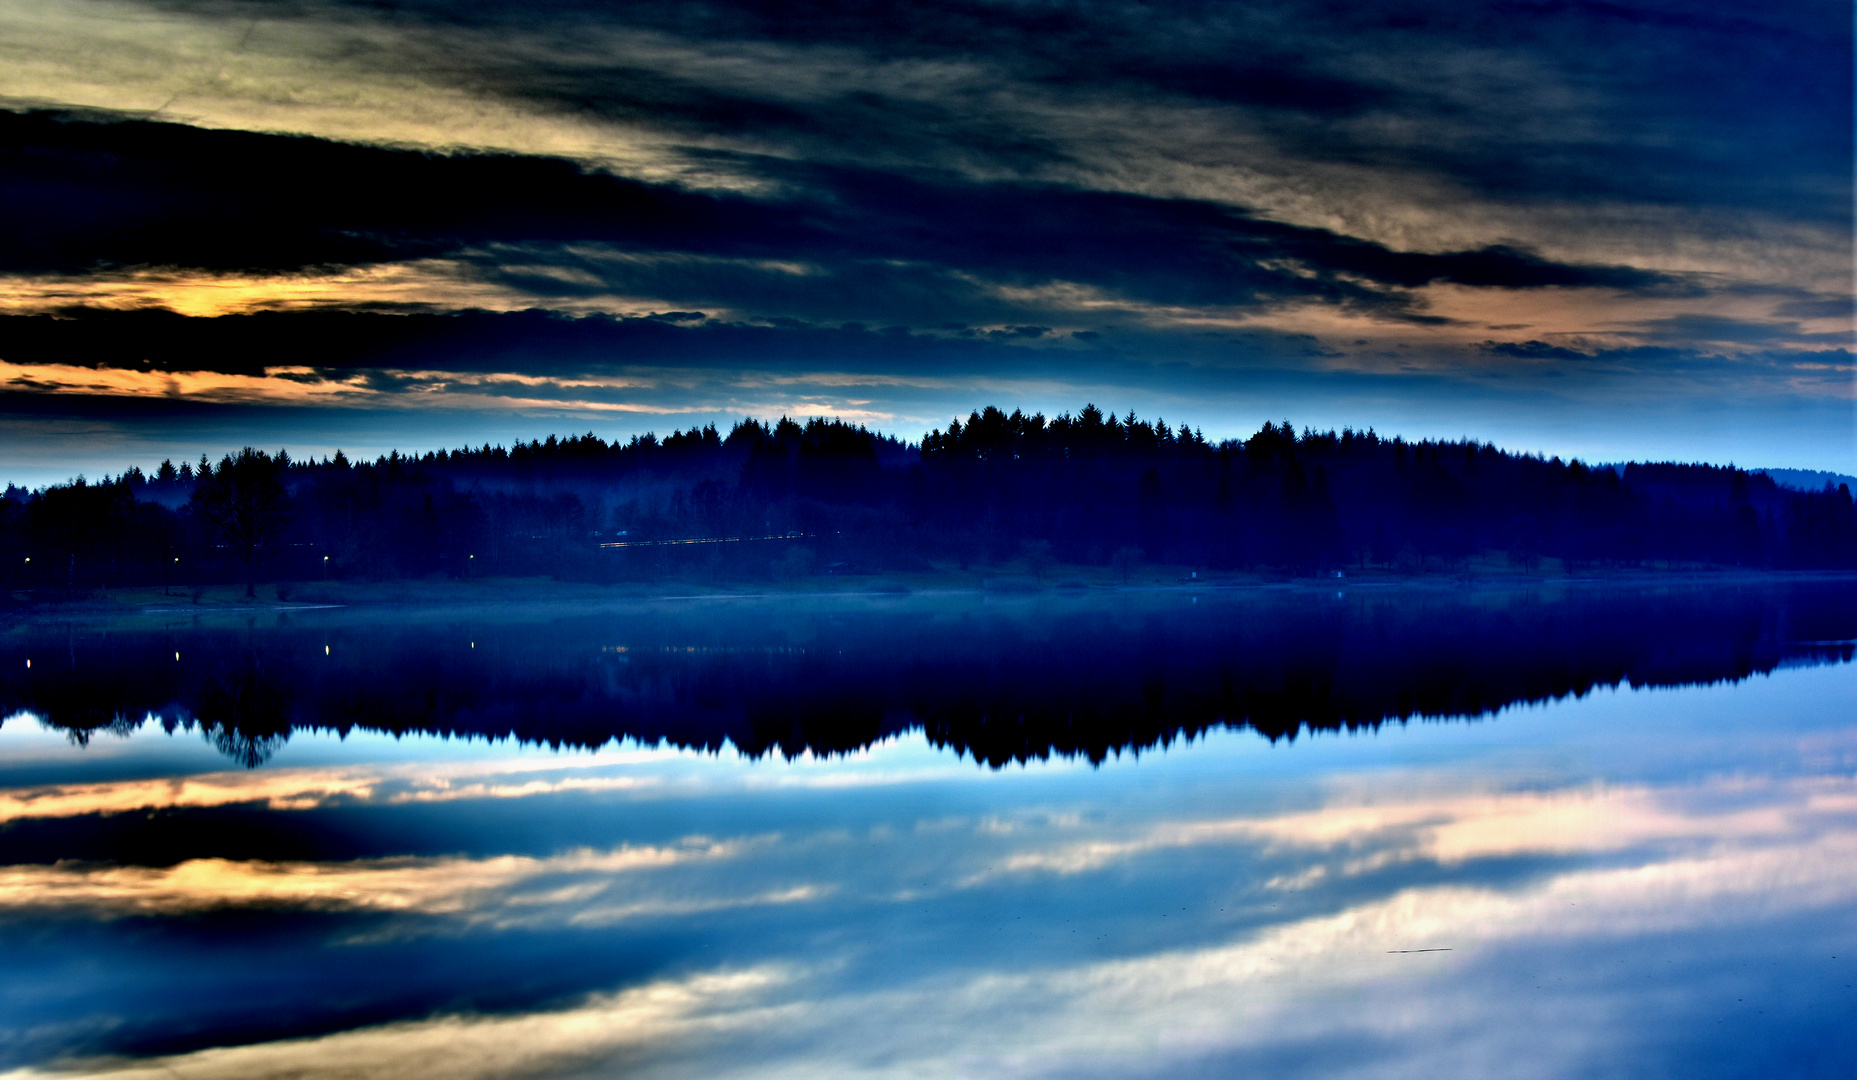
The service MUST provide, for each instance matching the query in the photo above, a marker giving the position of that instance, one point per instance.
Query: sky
(1600, 230)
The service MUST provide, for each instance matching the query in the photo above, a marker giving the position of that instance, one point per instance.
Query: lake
(1564, 831)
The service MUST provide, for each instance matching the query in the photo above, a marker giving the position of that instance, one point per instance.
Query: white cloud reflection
(313, 788)
(1430, 922)
(1160, 1010)
(475, 889)
(1453, 830)
(645, 1019)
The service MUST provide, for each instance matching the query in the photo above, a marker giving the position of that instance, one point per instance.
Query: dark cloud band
(86, 196)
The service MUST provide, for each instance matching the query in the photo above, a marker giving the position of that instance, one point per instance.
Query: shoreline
(1001, 585)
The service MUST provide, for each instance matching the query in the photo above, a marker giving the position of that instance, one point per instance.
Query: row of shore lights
(177, 656)
(325, 558)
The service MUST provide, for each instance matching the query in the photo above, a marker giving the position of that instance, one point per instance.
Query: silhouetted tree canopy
(1092, 488)
(242, 503)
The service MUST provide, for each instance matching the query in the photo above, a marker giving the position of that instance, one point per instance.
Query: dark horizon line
(647, 439)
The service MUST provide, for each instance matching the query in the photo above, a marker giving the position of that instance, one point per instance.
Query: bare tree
(243, 505)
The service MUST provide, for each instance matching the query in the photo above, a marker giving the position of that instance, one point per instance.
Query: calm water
(1299, 833)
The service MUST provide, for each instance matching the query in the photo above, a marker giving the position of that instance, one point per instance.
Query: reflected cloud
(388, 785)
(1450, 831)
(1348, 839)
(646, 1020)
(1253, 992)
(292, 790)
(478, 890)
(1171, 911)
(1404, 957)
(308, 789)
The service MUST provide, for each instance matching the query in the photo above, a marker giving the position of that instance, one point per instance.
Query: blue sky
(1589, 229)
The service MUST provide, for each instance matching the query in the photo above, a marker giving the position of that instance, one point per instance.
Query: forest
(786, 500)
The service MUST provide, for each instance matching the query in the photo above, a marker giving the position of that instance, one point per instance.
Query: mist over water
(1296, 832)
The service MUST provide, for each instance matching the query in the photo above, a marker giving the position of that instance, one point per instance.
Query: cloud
(1567, 129)
(1691, 328)
(371, 382)
(1535, 350)
(1596, 177)
(872, 244)
(135, 193)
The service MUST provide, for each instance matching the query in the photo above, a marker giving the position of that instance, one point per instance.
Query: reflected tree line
(795, 499)
(1085, 679)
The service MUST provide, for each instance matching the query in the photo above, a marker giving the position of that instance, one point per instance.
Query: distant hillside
(1807, 480)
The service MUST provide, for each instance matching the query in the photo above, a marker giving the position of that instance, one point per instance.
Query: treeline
(786, 499)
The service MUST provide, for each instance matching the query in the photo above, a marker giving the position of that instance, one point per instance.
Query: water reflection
(1000, 681)
(1644, 882)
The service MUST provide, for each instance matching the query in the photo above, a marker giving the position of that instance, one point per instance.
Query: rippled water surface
(1555, 833)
